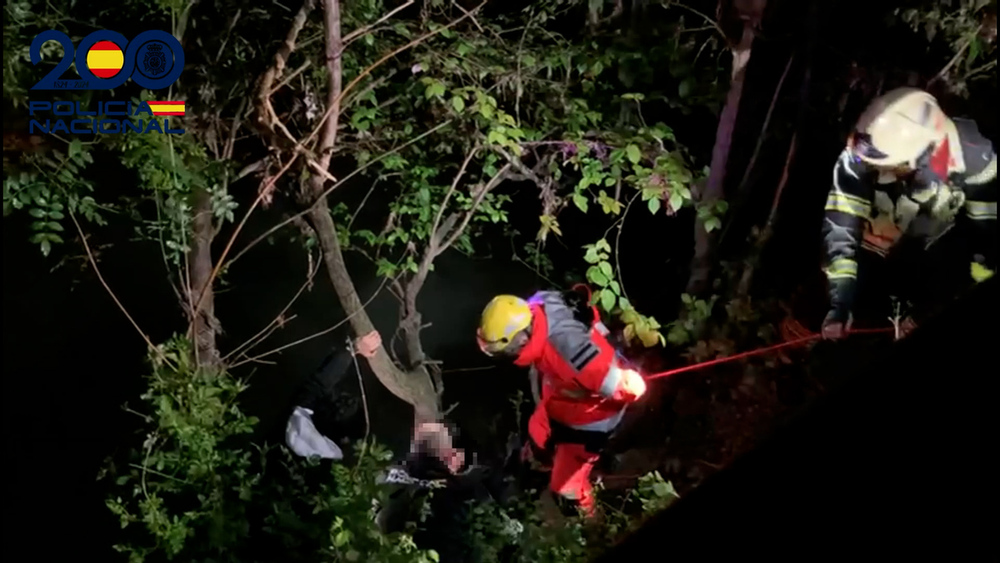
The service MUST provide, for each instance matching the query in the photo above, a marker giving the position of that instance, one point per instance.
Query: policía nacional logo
(105, 60)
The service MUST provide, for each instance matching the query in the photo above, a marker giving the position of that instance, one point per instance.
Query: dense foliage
(455, 118)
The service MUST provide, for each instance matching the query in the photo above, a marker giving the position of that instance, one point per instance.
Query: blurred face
(511, 350)
(440, 443)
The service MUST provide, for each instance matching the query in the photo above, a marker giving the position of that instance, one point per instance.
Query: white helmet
(898, 128)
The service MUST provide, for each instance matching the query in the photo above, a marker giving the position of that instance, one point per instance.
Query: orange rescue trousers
(576, 453)
(572, 465)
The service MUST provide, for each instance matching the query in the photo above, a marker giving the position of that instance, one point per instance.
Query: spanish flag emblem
(105, 59)
(161, 109)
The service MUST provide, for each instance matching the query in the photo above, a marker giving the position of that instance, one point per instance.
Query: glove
(535, 451)
(835, 325)
(539, 430)
(905, 328)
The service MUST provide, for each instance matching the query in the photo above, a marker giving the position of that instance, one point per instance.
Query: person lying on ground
(321, 411)
(435, 479)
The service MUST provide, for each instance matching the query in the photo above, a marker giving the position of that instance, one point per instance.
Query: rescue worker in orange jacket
(908, 175)
(585, 389)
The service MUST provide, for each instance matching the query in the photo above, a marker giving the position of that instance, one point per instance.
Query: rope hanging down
(759, 352)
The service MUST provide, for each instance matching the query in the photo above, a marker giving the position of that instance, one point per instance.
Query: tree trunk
(414, 386)
(744, 16)
(204, 325)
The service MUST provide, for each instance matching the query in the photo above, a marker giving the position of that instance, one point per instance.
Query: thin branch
(93, 264)
(257, 339)
(618, 238)
(334, 50)
(474, 20)
(285, 81)
(280, 58)
(232, 238)
(437, 238)
(764, 127)
(958, 55)
(361, 205)
(227, 153)
(316, 334)
(493, 183)
(286, 48)
(980, 69)
(361, 76)
(357, 33)
(353, 173)
(707, 19)
(760, 143)
(364, 401)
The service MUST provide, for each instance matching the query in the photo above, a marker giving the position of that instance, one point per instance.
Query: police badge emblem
(154, 62)
(154, 59)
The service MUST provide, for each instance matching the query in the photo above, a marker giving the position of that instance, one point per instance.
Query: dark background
(71, 359)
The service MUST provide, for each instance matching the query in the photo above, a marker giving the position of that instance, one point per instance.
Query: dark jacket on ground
(450, 501)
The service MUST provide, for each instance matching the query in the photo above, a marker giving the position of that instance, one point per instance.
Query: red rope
(758, 352)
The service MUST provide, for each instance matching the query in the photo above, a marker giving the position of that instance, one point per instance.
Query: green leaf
(595, 276)
(608, 299)
(458, 103)
(676, 201)
(606, 270)
(434, 90)
(613, 284)
(36, 213)
(633, 153)
(685, 87)
(975, 48)
(712, 223)
(75, 147)
(580, 201)
(677, 335)
(591, 256)
(654, 205)
(46, 247)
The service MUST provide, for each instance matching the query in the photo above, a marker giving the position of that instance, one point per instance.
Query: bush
(198, 490)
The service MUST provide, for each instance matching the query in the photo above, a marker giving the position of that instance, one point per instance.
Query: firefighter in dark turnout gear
(909, 175)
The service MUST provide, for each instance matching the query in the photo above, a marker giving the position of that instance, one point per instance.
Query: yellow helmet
(503, 318)
(898, 127)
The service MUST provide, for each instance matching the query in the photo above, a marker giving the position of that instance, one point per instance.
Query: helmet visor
(488, 347)
(861, 144)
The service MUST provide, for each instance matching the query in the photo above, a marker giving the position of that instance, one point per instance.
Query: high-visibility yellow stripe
(981, 210)
(102, 59)
(842, 268)
(988, 173)
(981, 273)
(850, 205)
